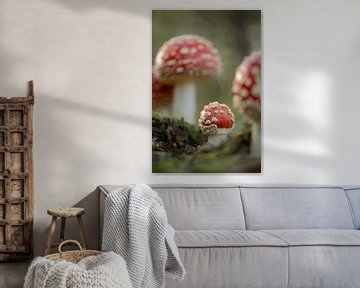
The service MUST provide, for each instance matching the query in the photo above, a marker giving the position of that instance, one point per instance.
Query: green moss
(175, 136)
(179, 147)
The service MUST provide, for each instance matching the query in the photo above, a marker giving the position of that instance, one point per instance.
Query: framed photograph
(206, 91)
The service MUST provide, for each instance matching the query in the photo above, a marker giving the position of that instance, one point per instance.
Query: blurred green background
(234, 33)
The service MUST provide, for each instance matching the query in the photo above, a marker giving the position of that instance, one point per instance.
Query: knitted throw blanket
(136, 227)
(103, 271)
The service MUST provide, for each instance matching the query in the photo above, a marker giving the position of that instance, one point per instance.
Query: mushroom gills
(217, 139)
(184, 104)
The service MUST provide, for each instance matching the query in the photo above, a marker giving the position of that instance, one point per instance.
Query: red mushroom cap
(246, 87)
(187, 57)
(162, 94)
(216, 118)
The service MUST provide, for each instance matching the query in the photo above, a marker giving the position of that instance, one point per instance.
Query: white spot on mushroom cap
(244, 92)
(206, 56)
(180, 69)
(238, 77)
(248, 81)
(214, 120)
(210, 129)
(213, 104)
(193, 50)
(184, 50)
(171, 62)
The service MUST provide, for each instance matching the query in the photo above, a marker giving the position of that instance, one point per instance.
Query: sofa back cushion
(202, 207)
(354, 198)
(296, 208)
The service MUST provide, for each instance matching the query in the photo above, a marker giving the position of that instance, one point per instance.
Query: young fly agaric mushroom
(246, 93)
(162, 95)
(217, 121)
(182, 60)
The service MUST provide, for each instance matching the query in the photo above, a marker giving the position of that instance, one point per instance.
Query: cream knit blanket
(136, 227)
(103, 271)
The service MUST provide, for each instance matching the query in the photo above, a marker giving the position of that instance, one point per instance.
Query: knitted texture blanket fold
(136, 227)
(103, 271)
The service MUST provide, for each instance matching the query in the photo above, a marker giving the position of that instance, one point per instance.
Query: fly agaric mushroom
(217, 121)
(162, 95)
(182, 60)
(247, 98)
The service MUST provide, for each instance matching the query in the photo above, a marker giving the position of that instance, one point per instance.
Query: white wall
(91, 63)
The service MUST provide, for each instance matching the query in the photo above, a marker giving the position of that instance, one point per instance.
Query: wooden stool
(64, 213)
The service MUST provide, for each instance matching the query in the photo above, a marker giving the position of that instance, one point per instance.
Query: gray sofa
(255, 236)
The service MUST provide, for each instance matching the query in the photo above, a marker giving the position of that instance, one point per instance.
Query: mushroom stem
(255, 147)
(217, 139)
(184, 104)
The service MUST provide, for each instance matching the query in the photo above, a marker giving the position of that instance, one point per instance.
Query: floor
(12, 274)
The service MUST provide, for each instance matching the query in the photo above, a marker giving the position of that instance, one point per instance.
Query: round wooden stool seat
(66, 211)
(63, 213)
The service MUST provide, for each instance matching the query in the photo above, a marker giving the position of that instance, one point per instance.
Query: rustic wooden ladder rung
(16, 177)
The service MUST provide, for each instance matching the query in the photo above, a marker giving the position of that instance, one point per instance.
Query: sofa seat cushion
(226, 238)
(231, 258)
(317, 237)
(322, 258)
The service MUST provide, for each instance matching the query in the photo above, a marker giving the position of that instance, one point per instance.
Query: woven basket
(72, 256)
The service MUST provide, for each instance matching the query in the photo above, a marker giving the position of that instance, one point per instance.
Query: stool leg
(62, 231)
(51, 235)
(82, 232)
